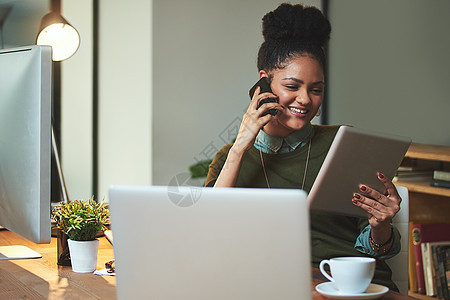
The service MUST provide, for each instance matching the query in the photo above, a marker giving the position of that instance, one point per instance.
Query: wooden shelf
(424, 187)
(426, 153)
(429, 152)
(427, 203)
(422, 297)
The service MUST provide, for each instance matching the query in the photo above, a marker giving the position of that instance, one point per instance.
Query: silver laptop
(205, 243)
(354, 158)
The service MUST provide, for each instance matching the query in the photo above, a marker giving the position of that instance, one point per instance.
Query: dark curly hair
(290, 31)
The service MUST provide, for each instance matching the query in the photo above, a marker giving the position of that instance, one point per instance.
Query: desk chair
(399, 263)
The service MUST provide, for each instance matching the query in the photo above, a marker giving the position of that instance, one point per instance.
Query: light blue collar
(273, 144)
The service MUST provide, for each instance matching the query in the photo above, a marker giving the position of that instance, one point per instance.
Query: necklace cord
(262, 162)
(306, 164)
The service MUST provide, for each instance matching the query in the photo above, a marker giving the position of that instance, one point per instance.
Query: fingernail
(380, 175)
(357, 196)
(363, 188)
(354, 201)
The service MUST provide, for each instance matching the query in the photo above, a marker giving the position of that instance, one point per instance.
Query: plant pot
(83, 255)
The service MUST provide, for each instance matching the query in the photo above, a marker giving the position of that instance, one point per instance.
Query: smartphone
(265, 88)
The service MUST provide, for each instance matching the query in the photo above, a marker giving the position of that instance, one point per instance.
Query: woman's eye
(291, 87)
(317, 91)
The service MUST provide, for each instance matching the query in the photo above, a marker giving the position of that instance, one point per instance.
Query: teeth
(301, 111)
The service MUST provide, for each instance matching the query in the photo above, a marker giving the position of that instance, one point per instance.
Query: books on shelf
(413, 174)
(412, 275)
(440, 183)
(433, 265)
(441, 175)
(446, 254)
(441, 256)
(441, 179)
(426, 233)
(435, 178)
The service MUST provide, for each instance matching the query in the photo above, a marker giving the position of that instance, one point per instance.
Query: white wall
(204, 64)
(389, 67)
(125, 86)
(76, 103)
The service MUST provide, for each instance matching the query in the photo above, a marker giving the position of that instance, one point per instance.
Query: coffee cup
(350, 275)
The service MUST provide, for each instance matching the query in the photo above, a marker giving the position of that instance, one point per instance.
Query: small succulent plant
(82, 220)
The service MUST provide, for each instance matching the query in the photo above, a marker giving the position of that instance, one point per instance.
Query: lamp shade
(55, 31)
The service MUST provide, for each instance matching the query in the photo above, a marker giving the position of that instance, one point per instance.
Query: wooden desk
(43, 279)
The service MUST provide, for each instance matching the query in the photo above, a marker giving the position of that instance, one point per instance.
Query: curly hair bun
(296, 22)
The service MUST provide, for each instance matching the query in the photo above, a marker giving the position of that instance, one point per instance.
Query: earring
(318, 113)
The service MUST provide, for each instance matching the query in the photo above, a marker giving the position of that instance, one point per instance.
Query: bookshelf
(427, 203)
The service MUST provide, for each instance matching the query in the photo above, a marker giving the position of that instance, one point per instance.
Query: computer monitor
(25, 141)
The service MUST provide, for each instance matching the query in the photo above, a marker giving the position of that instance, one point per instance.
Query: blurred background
(158, 86)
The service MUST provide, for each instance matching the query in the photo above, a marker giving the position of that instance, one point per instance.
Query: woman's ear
(262, 74)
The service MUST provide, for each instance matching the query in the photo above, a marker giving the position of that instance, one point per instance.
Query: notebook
(354, 158)
(204, 243)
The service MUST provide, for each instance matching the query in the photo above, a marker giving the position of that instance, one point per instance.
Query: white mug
(350, 275)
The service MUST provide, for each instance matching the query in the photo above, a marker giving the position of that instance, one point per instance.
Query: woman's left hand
(381, 208)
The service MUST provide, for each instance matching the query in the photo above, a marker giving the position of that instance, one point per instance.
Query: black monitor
(25, 141)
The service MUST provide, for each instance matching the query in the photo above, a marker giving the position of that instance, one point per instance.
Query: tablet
(354, 158)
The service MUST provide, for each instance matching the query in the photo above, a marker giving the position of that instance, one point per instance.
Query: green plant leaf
(82, 220)
(200, 169)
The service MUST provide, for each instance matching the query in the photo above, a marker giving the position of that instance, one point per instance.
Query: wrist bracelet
(381, 248)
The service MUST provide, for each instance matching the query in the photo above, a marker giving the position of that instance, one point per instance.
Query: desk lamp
(58, 33)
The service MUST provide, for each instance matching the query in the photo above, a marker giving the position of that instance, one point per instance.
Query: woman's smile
(298, 112)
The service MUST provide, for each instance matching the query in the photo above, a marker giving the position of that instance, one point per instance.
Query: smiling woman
(286, 151)
(293, 59)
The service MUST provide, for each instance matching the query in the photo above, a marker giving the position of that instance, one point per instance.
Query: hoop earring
(318, 113)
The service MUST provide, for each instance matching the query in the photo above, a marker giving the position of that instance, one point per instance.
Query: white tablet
(354, 158)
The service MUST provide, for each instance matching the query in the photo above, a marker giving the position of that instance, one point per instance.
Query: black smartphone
(265, 87)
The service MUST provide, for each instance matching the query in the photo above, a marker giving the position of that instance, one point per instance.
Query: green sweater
(331, 235)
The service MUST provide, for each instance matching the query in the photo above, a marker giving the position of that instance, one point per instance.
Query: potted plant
(81, 221)
(199, 171)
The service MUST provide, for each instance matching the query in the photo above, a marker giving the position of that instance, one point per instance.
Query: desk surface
(43, 279)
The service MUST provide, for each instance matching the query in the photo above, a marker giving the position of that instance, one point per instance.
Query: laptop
(210, 243)
(354, 158)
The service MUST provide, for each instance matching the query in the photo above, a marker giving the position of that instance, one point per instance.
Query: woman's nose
(303, 98)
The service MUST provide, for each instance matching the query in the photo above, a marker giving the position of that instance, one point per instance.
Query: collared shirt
(273, 144)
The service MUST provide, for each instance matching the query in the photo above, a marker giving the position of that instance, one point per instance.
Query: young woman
(286, 151)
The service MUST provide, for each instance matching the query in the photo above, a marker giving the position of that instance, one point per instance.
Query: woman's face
(300, 90)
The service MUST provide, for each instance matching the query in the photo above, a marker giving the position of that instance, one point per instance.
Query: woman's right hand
(253, 120)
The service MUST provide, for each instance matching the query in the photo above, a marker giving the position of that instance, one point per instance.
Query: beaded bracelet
(381, 248)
